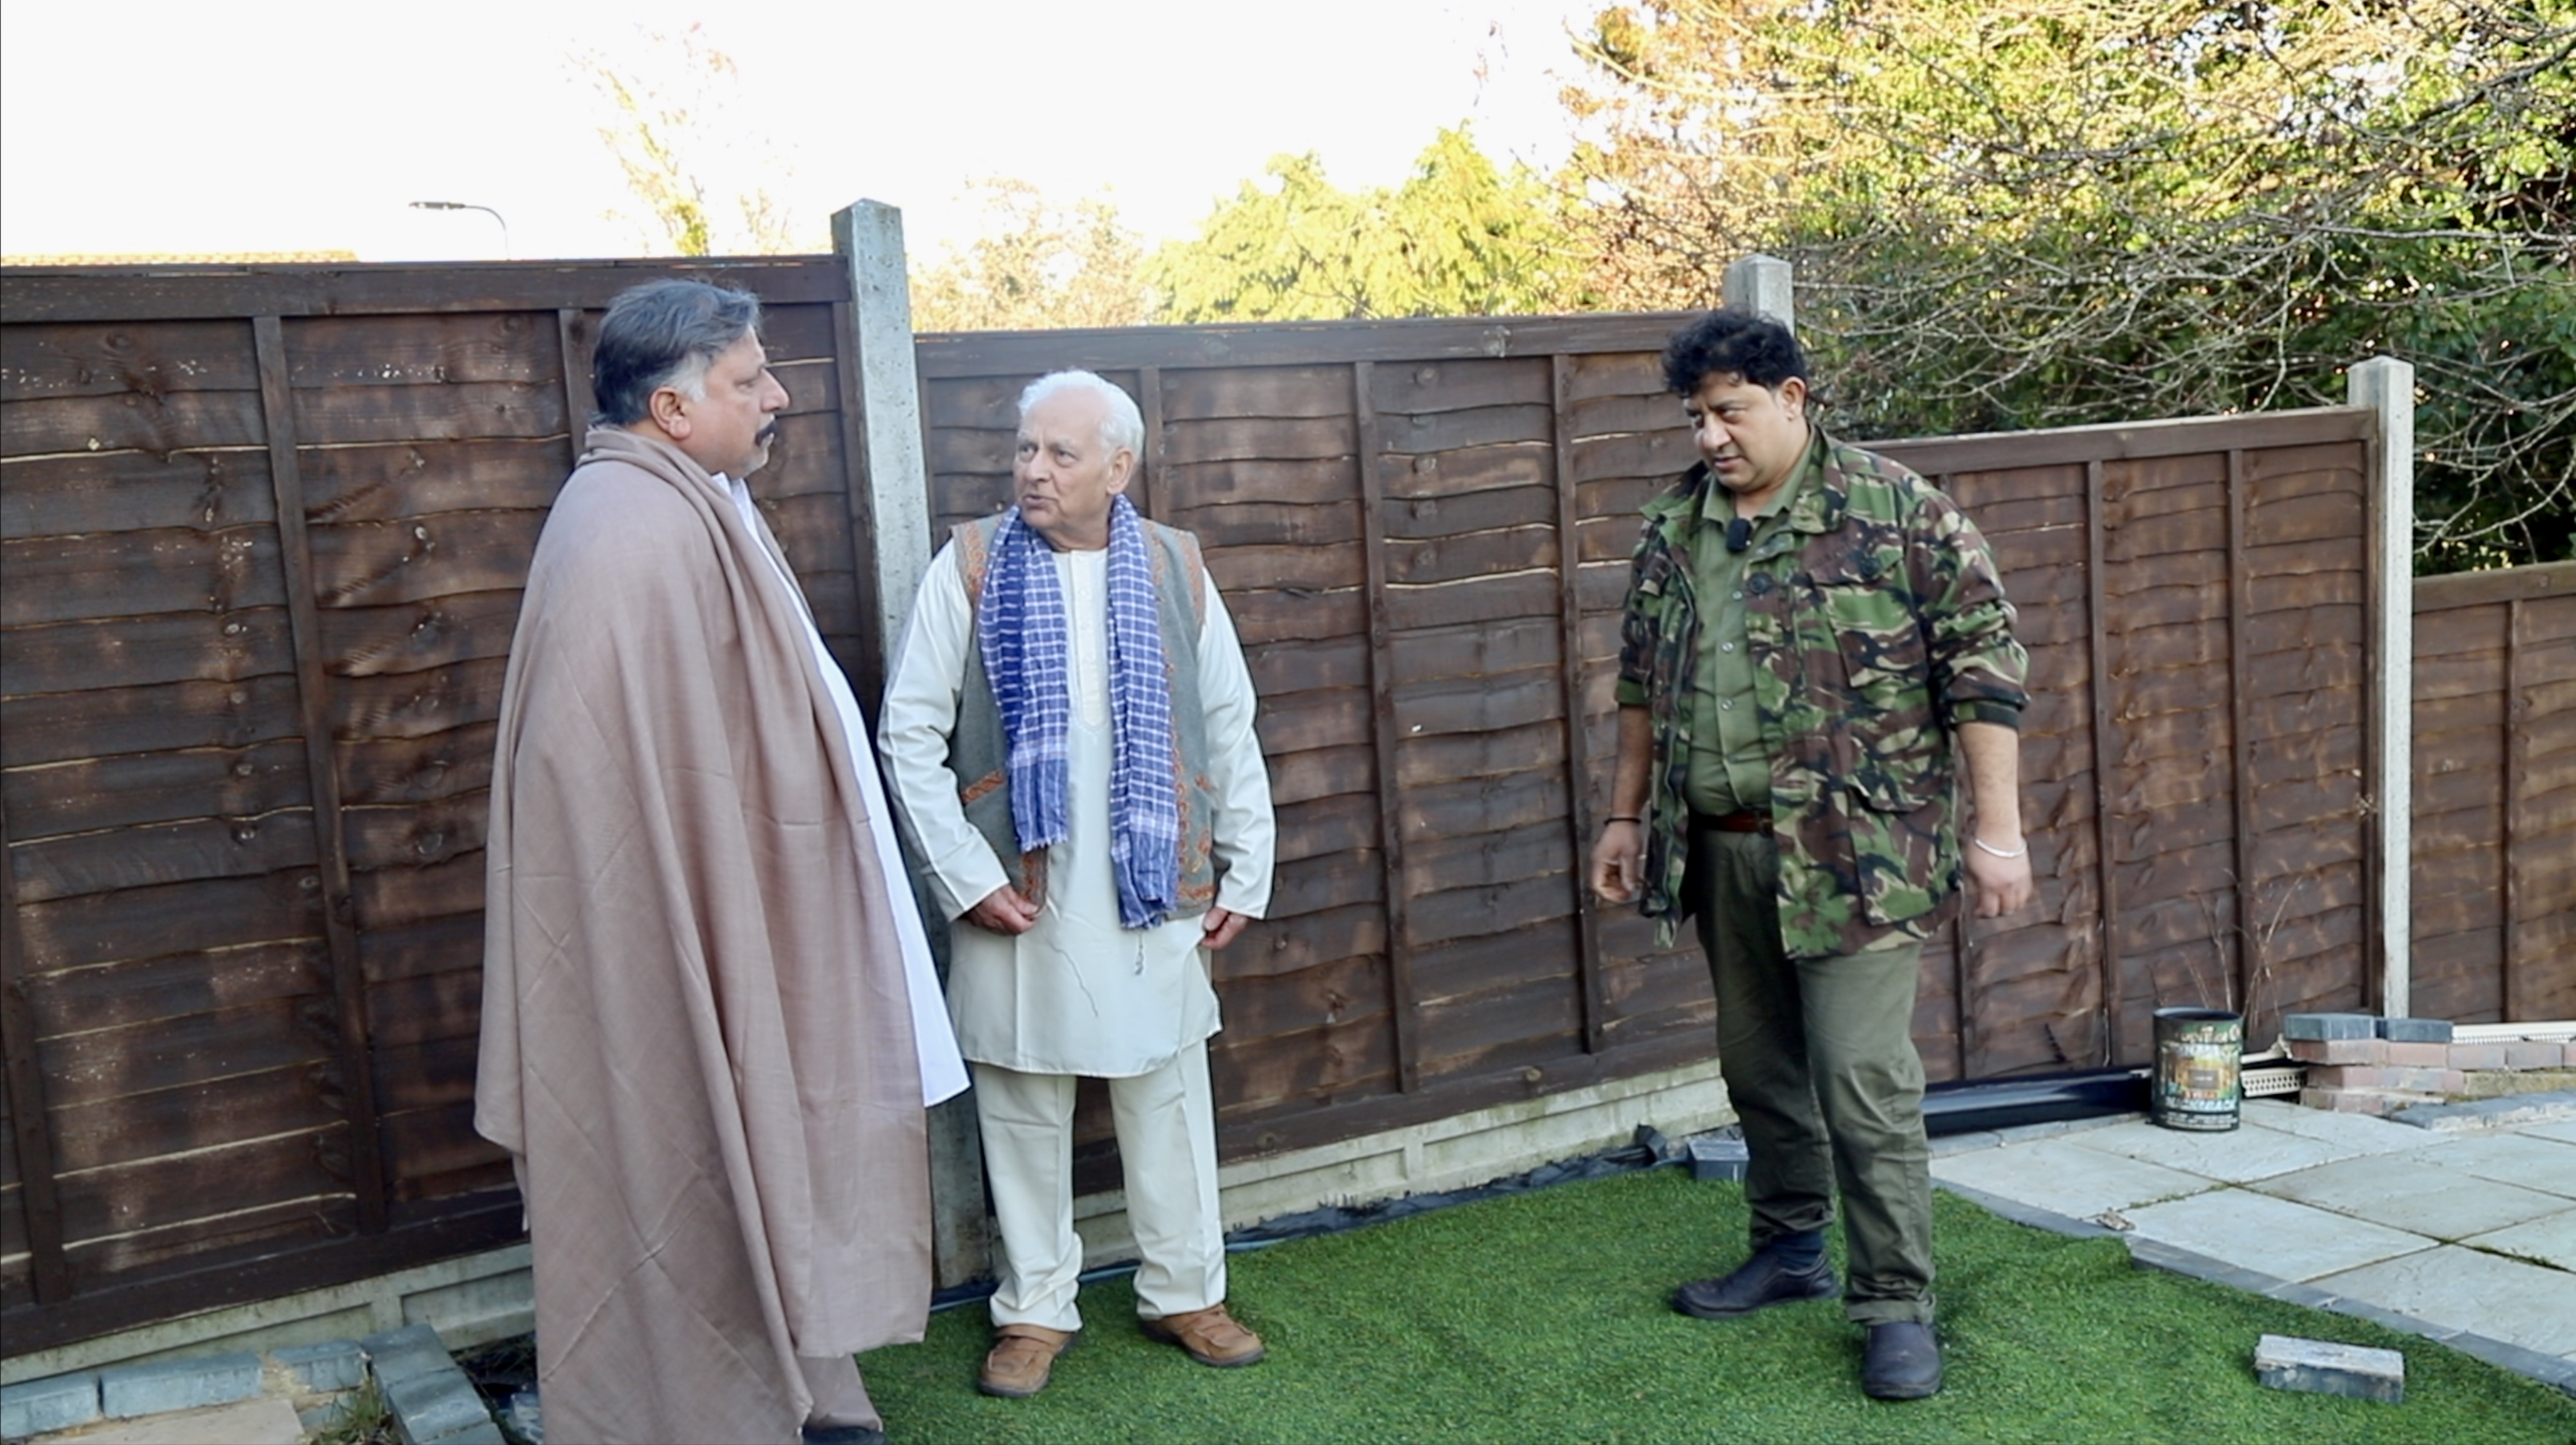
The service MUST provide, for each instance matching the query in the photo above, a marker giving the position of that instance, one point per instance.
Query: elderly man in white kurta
(1069, 726)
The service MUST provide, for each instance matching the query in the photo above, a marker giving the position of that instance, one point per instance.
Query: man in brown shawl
(709, 1024)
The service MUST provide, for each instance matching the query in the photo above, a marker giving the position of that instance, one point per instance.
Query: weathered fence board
(2495, 795)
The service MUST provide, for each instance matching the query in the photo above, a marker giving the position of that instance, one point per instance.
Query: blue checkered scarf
(1021, 627)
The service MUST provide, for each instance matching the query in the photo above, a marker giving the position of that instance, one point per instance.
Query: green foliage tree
(671, 116)
(2015, 213)
(1036, 264)
(1459, 237)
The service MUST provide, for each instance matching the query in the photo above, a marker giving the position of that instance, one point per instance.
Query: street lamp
(470, 206)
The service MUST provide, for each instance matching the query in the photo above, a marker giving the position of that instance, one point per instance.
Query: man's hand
(1004, 910)
(1619, 862)
(2002, 885)
(1223, 926)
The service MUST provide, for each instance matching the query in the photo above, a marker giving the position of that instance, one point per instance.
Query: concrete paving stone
(2272, 1236)
(57, 1402)
(2329, 1367)
(2063, 1176)
(2352, 1136)
(2515, 1158)
(2550, 1239)
(2562, 1130)
(486, 1433)
(1963, 1143)
(2236, 1157)
(181, 1384)
(267, 1420)
(403, 1353)
(2330, 1026)
(2420, 1196)
(2416, 1031)
(435, 1405)
(2522, 1304)
(336, 1365)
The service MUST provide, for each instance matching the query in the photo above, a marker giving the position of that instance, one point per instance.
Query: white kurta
(943, 1073)
(1076, 994)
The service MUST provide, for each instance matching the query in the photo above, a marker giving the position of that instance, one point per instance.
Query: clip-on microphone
(1739, 534)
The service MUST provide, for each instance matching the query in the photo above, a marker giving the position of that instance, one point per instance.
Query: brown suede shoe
(1020, 1359)
(1210, 1335)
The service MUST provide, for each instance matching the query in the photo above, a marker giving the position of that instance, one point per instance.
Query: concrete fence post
(868, 236)
(2387, 385)
(1762, 285)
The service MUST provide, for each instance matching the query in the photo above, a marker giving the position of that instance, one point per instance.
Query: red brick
(2477, 1056)
(2417, 1056)
(2567, 1054)
(2523, 1054)
(2335, 1051)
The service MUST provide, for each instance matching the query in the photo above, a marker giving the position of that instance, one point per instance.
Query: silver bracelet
(1998, 852)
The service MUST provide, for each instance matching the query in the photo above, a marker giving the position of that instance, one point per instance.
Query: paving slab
(2236, 1157)
(2562, 1130)
(2503, 1299)
(2274, 1236)
(267, 1420)
(2517, 1158)
(2354, 1134)
(2419, 1195)
(2058, 1175)
(2550, 1239)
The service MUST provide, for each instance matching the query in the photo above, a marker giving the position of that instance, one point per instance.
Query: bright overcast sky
(144, 126)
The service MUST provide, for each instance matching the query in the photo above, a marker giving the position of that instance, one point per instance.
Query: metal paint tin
(2198, 1052)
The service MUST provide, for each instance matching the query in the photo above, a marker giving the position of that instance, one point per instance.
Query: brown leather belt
(1746, 821)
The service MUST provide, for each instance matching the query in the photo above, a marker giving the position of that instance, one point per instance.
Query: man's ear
(669, 412)
(1793, 397)
(1122, 470)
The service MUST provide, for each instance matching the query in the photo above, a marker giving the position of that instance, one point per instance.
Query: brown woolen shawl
(697, 1041)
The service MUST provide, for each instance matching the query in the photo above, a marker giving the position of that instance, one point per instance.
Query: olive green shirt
(1730, 769)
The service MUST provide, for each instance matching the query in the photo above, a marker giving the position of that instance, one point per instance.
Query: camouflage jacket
(1877, 623)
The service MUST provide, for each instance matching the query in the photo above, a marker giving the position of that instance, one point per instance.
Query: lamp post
(470, 206)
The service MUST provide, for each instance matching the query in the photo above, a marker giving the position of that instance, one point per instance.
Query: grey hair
(1122, 427)
(664, 333)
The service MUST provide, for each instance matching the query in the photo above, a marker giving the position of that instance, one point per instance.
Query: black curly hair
(1736, 343)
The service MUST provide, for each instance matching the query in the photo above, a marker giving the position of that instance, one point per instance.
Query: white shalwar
(1078, 995)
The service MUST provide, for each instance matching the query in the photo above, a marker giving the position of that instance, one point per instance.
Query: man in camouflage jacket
(1812, 633)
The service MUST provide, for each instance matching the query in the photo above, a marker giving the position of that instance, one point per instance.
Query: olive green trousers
(1819, 1061)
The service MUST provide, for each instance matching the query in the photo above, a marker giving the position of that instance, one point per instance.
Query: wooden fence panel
(263, 563)
(2494, 871)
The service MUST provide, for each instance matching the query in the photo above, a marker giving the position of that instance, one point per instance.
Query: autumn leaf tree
(672, 116)
(1036, 264)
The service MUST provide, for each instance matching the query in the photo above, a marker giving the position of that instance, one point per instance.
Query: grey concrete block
(57, 1402)
(2415, 1031)
(336, 1365)
(2329, 1026)
(435, 1405)
(2323, 1367)
(400, 1354)
(2504, 1111)
(486, 1433)
(1718, 1158)
(149, 1389)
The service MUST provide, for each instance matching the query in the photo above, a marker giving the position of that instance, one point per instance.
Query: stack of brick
(2363, 1064)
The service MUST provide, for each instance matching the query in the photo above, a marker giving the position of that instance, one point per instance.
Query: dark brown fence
(264, 535)
(2495, 795)
(263, 538)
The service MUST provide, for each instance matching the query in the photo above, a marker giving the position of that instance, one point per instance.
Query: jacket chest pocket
(1862, 602)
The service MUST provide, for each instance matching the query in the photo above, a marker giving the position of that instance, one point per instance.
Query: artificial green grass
(1542, 1317)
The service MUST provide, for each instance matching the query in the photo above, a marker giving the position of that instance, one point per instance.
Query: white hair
(1122, 427)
